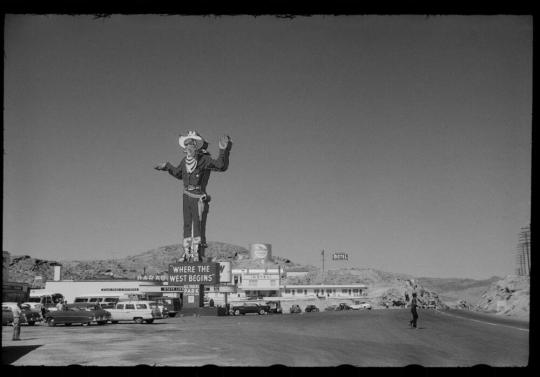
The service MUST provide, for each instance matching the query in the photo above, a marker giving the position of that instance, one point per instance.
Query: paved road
(359, 338)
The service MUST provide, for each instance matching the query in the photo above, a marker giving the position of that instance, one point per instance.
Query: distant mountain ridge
(384, 286)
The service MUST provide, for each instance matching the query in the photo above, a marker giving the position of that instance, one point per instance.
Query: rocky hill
(509, 296)
(460, 293)
(155, 261)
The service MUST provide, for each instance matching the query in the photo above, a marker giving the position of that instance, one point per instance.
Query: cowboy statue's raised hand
(224, 141)
(162, 166)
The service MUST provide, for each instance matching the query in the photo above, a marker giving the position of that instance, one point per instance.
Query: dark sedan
(30, 317)
(274, 307)
(78, 313)
(250, 307)
(295, 309)
(311, 308)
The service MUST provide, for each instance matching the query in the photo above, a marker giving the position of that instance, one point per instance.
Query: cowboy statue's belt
(192, 187)
(202, 196)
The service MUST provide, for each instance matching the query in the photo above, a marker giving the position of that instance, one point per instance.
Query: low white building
(323, 291)
(71, 289)
(241, 284)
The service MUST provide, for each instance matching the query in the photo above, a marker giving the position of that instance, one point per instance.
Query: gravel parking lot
(359, 338)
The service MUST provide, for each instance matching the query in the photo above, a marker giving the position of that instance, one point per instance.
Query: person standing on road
(414, 304)
(43, 311)
(18, 316)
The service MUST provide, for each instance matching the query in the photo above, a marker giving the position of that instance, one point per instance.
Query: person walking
(18, 316)
(414, 313)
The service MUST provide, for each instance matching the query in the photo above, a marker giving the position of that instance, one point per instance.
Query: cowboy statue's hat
(199, 141)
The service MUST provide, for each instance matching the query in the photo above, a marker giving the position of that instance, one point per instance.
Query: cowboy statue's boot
(202, 254)
(196, 248)
(187, 250)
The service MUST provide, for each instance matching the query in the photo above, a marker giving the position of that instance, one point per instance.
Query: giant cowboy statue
(194, 171)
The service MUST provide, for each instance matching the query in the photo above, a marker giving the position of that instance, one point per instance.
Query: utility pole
(322, 254)
(525, 246)
(523, 256)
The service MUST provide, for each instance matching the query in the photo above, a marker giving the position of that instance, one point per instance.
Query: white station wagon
(137, 311)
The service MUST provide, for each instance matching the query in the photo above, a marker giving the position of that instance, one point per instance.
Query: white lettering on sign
(119, 289)
(190, 273)
(183, 269)
(172, 289)
(261, 276)
(340, 256)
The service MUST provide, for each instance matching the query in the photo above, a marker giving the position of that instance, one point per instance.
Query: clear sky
(404, 141)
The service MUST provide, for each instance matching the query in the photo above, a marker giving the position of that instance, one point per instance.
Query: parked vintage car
(83, 313)
(311, 308)
(36, 307)
(274, 307)
(30, 317)
(338, 307)
(105, 302)
(48, 302)
(249, 307)
(295, 309)
(343, 306)
(359, 305)
(172, 305)
(135, 311)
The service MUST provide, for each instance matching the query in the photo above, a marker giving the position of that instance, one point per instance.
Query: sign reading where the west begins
(194, 273)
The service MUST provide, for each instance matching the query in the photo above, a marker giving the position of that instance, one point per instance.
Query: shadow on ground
(11, 354)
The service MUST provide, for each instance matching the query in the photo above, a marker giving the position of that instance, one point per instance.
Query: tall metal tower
(523, 252)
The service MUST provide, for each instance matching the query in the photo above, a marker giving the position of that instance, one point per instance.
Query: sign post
(193, 277)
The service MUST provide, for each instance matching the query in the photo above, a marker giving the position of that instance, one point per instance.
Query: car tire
(262, 312)
(149, 321)
(138, 320)
(237, 312)
(51, 322)
(114, 322)
(101, 323)
(31, 323)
